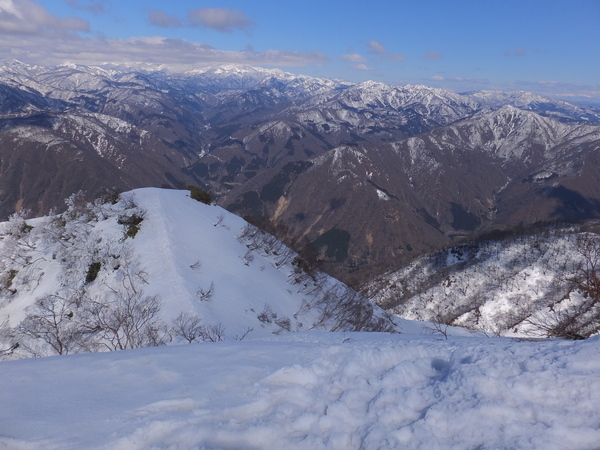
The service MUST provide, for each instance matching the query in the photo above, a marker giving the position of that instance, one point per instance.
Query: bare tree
(577, 314)
(8, 344)
(188, 327)
(213, 333)
(127, 319)
(52, 319)
(587, 274)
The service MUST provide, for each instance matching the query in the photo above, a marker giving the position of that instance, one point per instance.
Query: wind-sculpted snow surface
(310, 391)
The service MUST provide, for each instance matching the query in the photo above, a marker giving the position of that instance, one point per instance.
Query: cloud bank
(24, 17)
(32, 34)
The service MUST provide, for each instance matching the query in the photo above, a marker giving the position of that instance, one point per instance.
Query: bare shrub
(219, 221)
(128, 201)
(266, 315)
(206, 294)
(188, 327)
(284, 323)
(242, 336)
(52, 320)
(127, 319)
(256, 239)
(213, 333)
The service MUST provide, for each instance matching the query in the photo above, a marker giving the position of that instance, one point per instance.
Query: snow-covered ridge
(507, 131)
(80, 77)
(192, 260)
(529, 285)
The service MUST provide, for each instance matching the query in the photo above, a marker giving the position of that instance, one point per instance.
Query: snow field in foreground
(310, 390)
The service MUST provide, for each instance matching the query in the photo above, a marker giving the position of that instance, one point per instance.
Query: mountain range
(364, 177)
(466, 225)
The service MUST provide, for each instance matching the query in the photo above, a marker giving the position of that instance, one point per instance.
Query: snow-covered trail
(310, 390)
(187, 248)
(159, 251)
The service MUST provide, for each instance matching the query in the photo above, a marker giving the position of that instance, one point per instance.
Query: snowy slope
(522, 285)
(190, 258)
(310, 391)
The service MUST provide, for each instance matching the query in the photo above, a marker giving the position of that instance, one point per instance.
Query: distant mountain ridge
(494, 169)
(391, 170)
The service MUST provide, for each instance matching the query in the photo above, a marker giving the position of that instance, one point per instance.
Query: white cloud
(156, 49)
(362, 67)
(95, 7)
(433, 55)
(437, 78)
(220, 19)
(376, 47)
(354, 58)
(32, 34)
(25, 17)
(161, 19)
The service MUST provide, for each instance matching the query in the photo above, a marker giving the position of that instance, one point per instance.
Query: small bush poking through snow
(109, 195)
(200, 195)
(132, 222)
(191, 328)
(92, 272)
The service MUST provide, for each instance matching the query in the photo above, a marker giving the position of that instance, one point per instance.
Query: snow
(310, 390)
(303, 389)
(382, 195)
(193, 257)
(512, 287)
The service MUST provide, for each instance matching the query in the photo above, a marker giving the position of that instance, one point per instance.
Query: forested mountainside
(364, 176)
(540, 282)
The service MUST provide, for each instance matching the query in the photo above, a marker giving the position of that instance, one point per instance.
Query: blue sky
(545, 46)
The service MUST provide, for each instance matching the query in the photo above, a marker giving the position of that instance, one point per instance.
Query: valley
(365, 176)
(299, 225)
